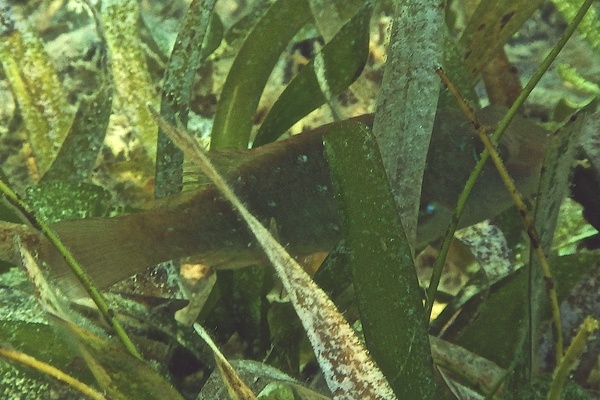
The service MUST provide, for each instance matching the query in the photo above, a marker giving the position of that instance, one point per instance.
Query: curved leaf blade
(492, 24)
(77, 156)
(332, 70)
(251, 69)
(36, 87)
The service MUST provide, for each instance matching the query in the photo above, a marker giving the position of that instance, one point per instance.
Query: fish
(286, 183)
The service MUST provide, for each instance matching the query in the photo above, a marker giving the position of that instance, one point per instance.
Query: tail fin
(109, 249)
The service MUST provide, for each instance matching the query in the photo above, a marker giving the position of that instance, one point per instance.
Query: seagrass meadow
(299, 199)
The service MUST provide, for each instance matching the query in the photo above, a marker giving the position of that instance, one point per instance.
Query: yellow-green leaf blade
(37, 89)
(129, 70)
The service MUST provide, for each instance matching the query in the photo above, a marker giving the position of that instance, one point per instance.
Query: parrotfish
(287, 182)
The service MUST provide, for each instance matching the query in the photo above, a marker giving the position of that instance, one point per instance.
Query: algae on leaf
(58, 200)
(120, 374)
(37, 89)
(23, 326)
(134, 88)
(191, 46)
(77, 156)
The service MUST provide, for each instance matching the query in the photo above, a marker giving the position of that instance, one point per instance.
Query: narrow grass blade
(553, 188)
(333, 69)
(48, 369)
(251, 69)
(386, 285)
(129, 70)
(179, 78)
(408, 102)
(236, 387)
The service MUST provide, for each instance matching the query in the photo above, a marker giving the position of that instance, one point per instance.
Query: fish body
(286, 183)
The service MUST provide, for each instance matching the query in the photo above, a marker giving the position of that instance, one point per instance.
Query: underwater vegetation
(259, 199)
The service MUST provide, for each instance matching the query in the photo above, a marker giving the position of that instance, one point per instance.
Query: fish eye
(427, 209)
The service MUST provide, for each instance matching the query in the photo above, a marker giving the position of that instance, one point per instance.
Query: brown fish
(287, 182)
